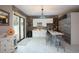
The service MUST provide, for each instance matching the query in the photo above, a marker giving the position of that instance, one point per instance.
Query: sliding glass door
(16, 26)
(22, 28)
(19, 27)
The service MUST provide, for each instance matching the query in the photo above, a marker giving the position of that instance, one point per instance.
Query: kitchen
(38, 28)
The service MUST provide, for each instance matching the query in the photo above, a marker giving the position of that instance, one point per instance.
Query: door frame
(20, 28)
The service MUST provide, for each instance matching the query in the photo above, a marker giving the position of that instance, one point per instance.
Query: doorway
(19, 27)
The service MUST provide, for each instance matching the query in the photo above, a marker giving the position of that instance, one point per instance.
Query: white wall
(75, 28)
(7, 8)
(44, 21)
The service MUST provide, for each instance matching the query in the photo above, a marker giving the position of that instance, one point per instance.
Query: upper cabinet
(43, 21)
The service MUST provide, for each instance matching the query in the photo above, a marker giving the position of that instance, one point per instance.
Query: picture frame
(4, 18)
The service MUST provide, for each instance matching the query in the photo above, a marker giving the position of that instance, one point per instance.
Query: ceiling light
(42, 14)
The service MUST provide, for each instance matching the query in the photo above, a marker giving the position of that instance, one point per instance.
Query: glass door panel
(22, 27)
(16, 26)
(19, 27)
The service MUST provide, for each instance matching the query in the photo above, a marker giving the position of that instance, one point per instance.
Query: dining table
(57, 38)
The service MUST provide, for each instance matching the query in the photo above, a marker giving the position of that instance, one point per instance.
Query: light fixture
(42, 14)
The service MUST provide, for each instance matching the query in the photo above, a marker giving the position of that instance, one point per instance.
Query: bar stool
(60, 43)
(47, 38)
(57, 44)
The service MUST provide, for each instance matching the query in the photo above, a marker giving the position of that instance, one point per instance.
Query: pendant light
(42, 14)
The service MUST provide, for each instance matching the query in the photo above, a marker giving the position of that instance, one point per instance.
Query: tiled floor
(36, 45)
(39, 45)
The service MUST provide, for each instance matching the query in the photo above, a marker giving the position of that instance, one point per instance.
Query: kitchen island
(39, 33)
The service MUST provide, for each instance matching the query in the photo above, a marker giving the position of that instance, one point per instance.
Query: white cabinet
(7, 44)
(39, 33)
(43, 21)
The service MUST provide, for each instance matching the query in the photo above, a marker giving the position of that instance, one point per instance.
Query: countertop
(55, 32)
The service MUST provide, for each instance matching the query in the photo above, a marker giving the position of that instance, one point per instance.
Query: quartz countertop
(55, 32)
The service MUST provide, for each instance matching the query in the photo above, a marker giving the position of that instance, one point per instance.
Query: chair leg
(58, 48)
(62, 46)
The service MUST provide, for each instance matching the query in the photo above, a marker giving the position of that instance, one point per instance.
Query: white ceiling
(48, 9)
